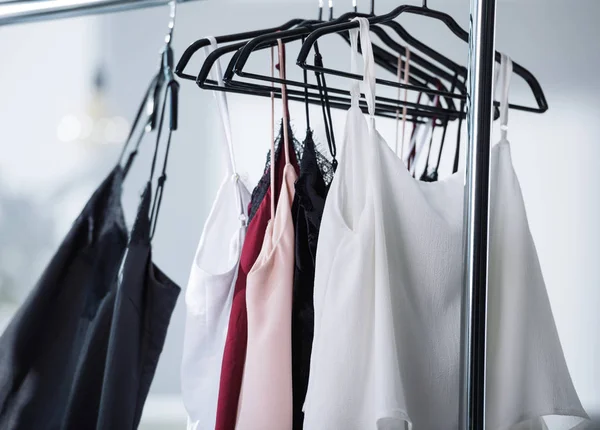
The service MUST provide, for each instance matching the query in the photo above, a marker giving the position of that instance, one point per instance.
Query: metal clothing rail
(476, 209)
(24, 11)
(482, 26)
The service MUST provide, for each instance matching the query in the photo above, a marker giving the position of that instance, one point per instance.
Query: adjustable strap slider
(334, 164)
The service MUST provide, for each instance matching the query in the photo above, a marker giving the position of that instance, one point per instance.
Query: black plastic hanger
(336, 101)
(389, 108)
(248, 88)
(534, 85)
(245, 88)
(382, 57)
(385, 104)
(439, 73)
(268, 40)
(201, 43)
(388, 61)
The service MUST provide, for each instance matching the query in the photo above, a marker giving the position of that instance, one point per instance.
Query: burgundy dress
(234, 355)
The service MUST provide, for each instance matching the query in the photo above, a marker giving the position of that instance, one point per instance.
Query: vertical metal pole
(476, 211)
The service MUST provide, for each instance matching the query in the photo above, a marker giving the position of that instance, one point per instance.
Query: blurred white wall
(556, 155)
(45, 77)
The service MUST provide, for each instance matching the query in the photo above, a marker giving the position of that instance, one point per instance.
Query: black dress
(144, 302)
(143, 307)
(307, 210)
(117, 370)
(41, 348)
(82, 350)
(84, 357)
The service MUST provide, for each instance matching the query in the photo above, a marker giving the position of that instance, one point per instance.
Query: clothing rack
(480, 99)
(24, 11)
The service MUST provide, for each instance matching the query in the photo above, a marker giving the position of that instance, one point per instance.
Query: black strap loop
(439, 158)
(326, 107)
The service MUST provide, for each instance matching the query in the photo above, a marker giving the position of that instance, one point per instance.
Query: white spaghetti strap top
(528, 382)
(387, 297)
(209, 292)
(342, 390)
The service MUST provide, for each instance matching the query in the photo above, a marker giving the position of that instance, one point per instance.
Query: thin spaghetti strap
(171, 96)
(306, 106)
(368, 87)
(506, 75)
(221, 98)
(272, 168)
(355, 87)
(150, 90)
(326, 109)
(404, 78)
(286, 140)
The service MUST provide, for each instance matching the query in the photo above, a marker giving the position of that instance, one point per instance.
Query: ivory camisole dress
(388, 296)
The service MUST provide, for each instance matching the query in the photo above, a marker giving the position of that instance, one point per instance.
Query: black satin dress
(42, 346)
(144, 302)
(307, 211)
(82, 350)
(143, 307)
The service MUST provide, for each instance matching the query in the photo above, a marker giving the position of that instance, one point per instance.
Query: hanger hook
(172, 12)
(425, 4)
(372, 7)
(320, 10)
(330, 10)
(354, 6)
(166, 65)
